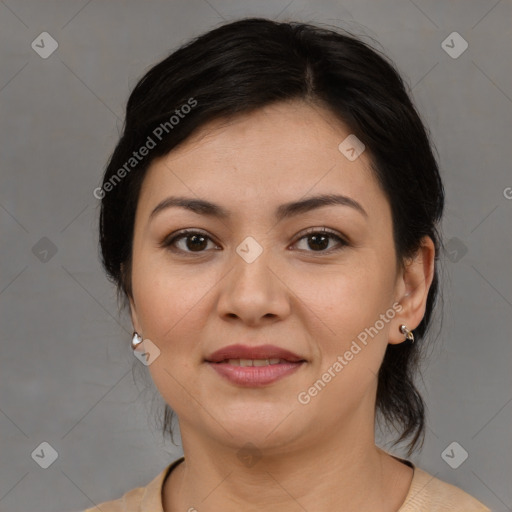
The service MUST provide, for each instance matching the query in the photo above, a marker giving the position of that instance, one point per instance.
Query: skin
(311, 301)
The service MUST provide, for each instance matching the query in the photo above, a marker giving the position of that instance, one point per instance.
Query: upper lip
(257, 352)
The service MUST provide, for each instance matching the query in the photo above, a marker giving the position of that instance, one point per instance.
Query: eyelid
(169, 241)
(328, 231)
(342, 240)
(172, 237)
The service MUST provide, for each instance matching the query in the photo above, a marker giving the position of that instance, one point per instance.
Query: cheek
(172, 310)
(346, 304)
(172, 303)
(349, 297)
(345, 307)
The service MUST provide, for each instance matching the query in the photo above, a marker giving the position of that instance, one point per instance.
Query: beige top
(426, 494)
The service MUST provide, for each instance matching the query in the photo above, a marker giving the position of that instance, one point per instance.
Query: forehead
(273, 155)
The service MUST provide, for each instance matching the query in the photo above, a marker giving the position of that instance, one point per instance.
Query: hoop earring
(136, 340)
(407, 333)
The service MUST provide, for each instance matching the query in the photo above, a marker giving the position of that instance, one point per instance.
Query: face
(254, 277)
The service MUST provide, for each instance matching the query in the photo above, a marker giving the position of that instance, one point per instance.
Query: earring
(407, 333)
(136, 340)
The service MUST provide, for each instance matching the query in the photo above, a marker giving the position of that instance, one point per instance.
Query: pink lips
(254, 376)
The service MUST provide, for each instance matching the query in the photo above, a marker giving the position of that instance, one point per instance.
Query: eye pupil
(316, 238)
(196, 238)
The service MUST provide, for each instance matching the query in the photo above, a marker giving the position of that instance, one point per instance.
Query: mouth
(254, 366)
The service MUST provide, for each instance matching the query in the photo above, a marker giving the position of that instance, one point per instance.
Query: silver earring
(136, 340)
(407, 333)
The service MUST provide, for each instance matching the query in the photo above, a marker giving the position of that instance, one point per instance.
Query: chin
(273, 427)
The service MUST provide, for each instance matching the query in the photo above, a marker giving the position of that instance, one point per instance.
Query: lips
(259, 366)
(259, 352)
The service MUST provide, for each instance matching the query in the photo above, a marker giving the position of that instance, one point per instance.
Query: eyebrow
(202, 207)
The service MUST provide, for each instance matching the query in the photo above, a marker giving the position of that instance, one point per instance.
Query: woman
(270, 216)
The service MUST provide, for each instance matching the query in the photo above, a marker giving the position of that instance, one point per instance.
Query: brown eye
(189, 241)
(318, 240)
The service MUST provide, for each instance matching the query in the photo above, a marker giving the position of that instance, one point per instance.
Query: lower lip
(255, 376)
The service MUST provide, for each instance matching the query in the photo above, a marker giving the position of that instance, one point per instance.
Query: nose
(254, 292)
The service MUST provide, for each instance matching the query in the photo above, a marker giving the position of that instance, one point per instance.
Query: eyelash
(170, 240)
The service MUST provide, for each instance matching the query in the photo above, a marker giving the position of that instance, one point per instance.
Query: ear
(413, 285)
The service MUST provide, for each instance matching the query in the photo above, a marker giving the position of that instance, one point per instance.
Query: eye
(318, 240)
(194, 241)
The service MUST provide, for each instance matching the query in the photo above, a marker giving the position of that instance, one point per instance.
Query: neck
(352, 475)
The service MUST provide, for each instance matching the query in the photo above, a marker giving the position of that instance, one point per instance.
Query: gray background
(66, 367)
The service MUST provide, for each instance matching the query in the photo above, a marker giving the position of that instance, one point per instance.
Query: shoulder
(144, 498)
(429, 494)
(129, 502)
